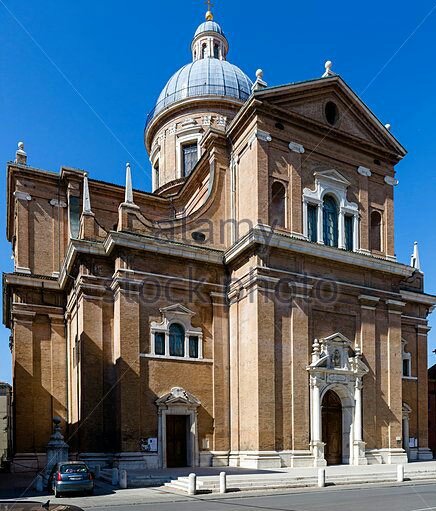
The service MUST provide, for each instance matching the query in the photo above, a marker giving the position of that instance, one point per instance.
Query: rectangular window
(190, 157)
(349, 233)
(74, 211)
(406, 367)
(193, 346)
(312, 222)
(159, 343)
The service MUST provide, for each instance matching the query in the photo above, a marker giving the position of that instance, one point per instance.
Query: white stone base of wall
(386, 456)
(300, 458)
(136, 461)
(255, 459)
(220, 458)
(28, 462)
(94, 458)
(425, 454)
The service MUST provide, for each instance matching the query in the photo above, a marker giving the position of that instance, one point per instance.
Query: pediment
(178, 397)
(333, 176)
(336, 338)
(308, 100)
(177, 309)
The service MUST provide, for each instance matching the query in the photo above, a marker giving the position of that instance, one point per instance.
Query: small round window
(331, 113)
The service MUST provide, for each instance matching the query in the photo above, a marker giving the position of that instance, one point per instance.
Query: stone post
(115, 477)
(223, 482)
(123, 479)
(57, 449)
(321, 477)
(400, 473)
(192, 484)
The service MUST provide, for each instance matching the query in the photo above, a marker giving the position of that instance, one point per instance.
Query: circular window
(331, 113)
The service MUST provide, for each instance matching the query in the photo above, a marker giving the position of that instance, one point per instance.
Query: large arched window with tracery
(177, 340)
(330, 221)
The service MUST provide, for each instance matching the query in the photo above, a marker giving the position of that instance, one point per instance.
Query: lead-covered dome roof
(205, 77)
(208, 75)
(209, 26)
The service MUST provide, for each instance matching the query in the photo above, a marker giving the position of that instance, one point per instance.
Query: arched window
(330, 214)
(278, 205)
(177, 340)
(204, 51)
(216, 51)
(376, 231)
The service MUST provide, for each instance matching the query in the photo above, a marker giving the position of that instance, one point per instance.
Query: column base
(359, 457)
(317, 449)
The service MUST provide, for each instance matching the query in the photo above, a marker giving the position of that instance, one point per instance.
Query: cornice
(262, 235)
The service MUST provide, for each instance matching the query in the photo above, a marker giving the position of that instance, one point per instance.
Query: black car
(71, 476)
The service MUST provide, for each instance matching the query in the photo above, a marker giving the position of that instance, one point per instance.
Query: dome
(209, 73)
(209, 26)
(205, 77)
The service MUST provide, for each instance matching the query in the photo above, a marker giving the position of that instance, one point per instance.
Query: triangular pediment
(178, 397)
(332, 175)
(177, 309)
(307, 101)
(336, 339)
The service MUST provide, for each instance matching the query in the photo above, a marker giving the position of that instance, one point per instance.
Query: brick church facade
(250, 311)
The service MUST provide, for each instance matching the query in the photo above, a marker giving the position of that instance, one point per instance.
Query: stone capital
(395, 306)
(368, 301)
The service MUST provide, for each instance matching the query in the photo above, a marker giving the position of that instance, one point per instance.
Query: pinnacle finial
(259, 83)
(21, 155)
(415, 261)
(86, 197)
(328, 69)
(388, 126)
(128, 197)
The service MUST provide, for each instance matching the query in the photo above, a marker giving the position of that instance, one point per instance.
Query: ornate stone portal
(178, 402)
(337, 366)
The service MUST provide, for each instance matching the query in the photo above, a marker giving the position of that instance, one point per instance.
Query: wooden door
(177, 430)
(332, 428)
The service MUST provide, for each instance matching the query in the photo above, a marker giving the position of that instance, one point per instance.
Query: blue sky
(78, 78)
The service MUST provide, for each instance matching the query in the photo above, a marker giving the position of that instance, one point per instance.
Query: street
(404, 497)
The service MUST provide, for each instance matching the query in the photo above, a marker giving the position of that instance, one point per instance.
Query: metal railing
(196, 91)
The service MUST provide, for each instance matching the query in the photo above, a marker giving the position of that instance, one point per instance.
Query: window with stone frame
(174, 336)
(189, 158)
(328, 217)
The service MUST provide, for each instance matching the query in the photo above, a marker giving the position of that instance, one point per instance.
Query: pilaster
(394, 374)
(221, 382)
(368, 348)
(126, 351)
(90, 306)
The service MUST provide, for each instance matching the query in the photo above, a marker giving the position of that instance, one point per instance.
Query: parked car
(71, 476)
